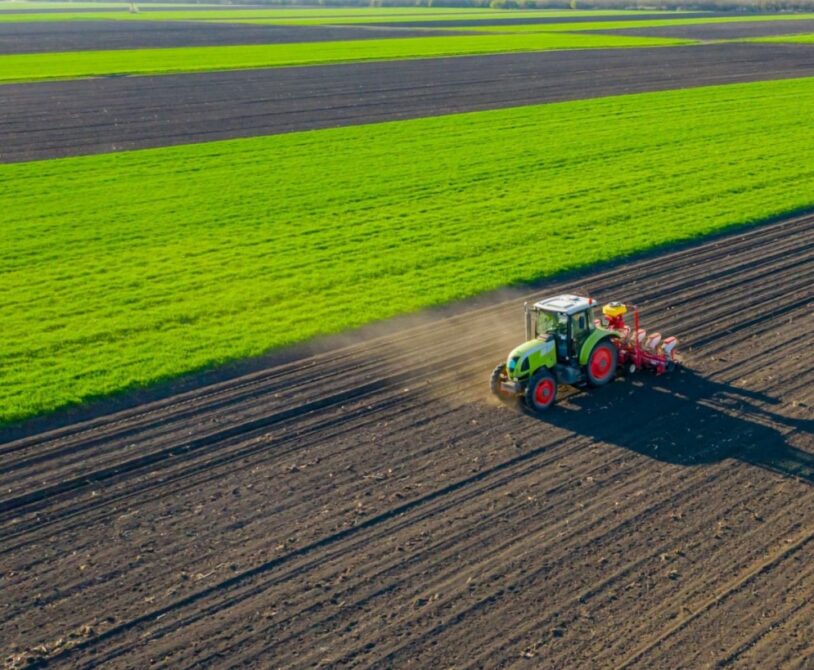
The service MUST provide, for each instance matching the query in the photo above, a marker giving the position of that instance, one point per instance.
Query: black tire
(541, 392)
(601, 366)
(494, 380)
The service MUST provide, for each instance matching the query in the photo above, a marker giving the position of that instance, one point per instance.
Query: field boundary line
(129, 412)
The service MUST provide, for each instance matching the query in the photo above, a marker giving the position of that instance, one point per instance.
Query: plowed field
(55, 119)
(371, 506)
(724, 31)
(47, 36)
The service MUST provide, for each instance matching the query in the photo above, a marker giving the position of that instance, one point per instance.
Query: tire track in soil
(753, 573)
(514, 549)
(582, 598)
(430, 524)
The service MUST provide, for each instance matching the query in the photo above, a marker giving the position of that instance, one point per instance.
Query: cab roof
(566, 303)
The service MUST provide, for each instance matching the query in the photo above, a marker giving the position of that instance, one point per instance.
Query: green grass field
(79, 64)
(123, 269)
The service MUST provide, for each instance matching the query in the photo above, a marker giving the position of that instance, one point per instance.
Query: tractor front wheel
(541, 392)
(494, 380)
(602, 362)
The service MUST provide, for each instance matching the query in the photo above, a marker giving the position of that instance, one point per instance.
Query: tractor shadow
(686, 419)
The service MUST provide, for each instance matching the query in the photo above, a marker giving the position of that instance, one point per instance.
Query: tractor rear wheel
(494, 380)
(601, 366)
(541, 392)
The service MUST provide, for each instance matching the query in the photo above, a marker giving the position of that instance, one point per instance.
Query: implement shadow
(686, 419)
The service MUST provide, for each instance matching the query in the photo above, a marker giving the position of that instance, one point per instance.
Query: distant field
(493, 20)
(386, 15)
(490, 38)
(6, 5)
(716, 32)
(632, 23)
(12, 5)
(303, 16)
(123, 269)
(79, 64)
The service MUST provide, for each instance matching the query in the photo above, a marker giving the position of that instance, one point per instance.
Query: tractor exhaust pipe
(527, 316)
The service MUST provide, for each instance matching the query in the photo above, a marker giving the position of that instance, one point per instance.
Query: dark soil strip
(531, 20)
(721, 31)
(124, 8)
(46, 36)
(54, 119)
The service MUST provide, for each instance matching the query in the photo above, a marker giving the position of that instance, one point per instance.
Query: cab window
(551, 322)
(580, 327)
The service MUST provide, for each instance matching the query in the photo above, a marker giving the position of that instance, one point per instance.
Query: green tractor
(565, 345)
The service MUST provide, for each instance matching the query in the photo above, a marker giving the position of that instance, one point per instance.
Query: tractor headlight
(512, 365)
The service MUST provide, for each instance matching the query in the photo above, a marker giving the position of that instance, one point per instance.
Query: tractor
(567, 343)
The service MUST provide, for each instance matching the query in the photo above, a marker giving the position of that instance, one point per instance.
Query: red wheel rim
(544, 393)
(600, 363)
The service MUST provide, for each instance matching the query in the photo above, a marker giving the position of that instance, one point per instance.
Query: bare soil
(537, 20)
(55, 119)
(721, 31)
(47, 36)
(123, 8)
(373, 506)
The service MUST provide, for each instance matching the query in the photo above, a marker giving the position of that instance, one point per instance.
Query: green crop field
(78, 64)
(123, 269)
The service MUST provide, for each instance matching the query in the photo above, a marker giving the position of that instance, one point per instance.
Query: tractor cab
(564, 345)
(568, 319)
